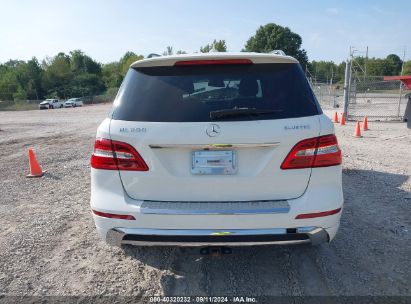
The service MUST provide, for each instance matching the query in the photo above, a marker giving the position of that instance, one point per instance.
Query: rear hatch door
(211, 134)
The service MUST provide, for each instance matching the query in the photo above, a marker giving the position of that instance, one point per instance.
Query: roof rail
(278, 52)
(153, 55)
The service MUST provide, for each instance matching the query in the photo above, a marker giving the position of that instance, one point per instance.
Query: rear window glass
(194, 93)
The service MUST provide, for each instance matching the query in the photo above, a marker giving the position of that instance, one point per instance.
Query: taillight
(315, 152)
(115, 155)
(328, 152)
(317, 214)
(114, 216)
(213, 62)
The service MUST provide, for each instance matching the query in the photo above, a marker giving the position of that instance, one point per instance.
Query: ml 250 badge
(133, 130)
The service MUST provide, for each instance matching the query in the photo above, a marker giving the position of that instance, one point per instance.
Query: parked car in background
(50, 104)
(73, 102)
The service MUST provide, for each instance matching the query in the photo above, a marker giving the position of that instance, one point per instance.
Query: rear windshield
(194, 93)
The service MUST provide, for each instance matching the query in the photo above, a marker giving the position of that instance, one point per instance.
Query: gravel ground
(49, 246)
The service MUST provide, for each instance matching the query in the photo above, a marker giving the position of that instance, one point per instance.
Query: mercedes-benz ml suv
(225, 149)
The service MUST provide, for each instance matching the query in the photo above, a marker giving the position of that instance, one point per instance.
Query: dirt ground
(49, 246)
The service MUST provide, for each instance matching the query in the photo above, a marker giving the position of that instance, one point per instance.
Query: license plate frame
(214, 162)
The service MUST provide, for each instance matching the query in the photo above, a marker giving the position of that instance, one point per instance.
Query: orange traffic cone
(35, 168)
(336, 117)
(342, 119)
(365, 124)
(357, 132)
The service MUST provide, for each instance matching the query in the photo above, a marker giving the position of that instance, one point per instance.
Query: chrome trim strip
(212, 146)
(215, 211)
(215, 208)
(115, 236)
(202, 232)
(230, 244)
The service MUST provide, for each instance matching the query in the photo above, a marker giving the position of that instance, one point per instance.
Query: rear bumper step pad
(204, 237)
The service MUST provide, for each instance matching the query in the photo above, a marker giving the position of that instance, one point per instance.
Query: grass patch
(17, 106)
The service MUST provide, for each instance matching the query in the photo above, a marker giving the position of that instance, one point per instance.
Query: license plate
(214, 162)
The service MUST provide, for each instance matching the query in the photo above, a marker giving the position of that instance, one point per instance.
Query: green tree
(379, 67)
(58, 75)
(35, 83)
(64, 75)
(114, 72)
(389, 66)
(86, 84)
(395, 62)
(8, 82)
(407, 68)
(127, 60)
(341, 72)
(112, 75)
(323, 71)
(216, 46)
(81, 63)
(21, 80)
(13, 63)
(275, 37)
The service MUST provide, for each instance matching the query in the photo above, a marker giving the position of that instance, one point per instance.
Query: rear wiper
(240, 112)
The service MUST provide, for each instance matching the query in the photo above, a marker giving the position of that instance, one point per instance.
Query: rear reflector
(213, 62)
(314, 152)
(114, 216)
(318, 214)
(115, 155)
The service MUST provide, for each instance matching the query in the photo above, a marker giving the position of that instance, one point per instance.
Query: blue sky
(105, 30)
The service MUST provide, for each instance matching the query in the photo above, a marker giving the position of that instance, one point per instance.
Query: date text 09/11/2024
(202, 299)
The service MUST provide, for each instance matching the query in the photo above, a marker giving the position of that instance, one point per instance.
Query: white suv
(50, 104)
(73, 102)
(226, 149)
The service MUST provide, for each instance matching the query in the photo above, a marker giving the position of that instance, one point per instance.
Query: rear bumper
(217, 223)
(205, 237)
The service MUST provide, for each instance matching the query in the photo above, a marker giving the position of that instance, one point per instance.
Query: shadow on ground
(375, 230)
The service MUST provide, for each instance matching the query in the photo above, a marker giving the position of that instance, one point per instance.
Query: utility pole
(309, 76)
(403, 61)
(402, 71)
(331, 87)
(365, 63)
(347, 81)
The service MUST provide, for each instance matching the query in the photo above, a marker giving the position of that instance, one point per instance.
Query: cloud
(315, 39)
(332, 11)
(377, 9)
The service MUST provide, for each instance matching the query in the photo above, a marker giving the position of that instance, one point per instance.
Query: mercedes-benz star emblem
(213, 130)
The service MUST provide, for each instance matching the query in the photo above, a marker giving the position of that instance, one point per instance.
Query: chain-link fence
(370, 96)
(329, 95)
(376, 98)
